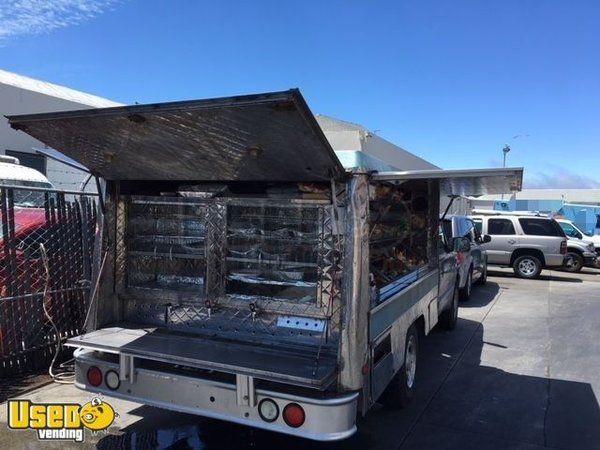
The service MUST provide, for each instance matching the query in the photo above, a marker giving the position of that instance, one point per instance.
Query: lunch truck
(243, 273)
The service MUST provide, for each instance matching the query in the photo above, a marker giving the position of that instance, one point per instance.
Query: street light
(505, 151)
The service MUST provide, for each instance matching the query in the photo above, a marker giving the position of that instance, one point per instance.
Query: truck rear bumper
(327, 418)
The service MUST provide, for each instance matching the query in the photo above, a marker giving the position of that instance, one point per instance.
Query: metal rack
(234, 268)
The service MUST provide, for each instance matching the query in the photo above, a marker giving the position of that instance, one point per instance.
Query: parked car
(583, 248)
(461, 234)
(528, 244)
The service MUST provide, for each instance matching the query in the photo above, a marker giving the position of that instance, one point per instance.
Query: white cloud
(27, 17)
(559, 177)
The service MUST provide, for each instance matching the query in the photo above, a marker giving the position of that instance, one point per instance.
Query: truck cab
(461, 233)
(583, 248)
(29, 217)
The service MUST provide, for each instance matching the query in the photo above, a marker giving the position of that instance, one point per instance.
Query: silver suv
(525, 243)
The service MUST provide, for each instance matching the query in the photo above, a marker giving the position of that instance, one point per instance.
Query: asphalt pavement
(520, 371)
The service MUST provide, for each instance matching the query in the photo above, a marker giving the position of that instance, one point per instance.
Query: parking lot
(522, 370)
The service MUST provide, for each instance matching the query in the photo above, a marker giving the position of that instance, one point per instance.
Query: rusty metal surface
(355, 286)
(265, 137)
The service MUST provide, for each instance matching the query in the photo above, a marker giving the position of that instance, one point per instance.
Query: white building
(356, 146)
(23, 95)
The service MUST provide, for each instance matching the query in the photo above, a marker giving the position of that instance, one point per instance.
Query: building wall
(585, 216)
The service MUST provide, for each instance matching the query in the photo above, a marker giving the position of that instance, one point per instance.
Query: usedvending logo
(60, 421)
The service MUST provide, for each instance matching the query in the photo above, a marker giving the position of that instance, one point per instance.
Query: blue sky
(451, 81)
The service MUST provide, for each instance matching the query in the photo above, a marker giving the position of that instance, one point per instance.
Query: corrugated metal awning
(464, 181)
(262, 137)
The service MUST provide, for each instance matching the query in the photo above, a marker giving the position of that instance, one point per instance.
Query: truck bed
(157, 344)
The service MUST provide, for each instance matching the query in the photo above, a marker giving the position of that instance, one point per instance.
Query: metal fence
(46, 245)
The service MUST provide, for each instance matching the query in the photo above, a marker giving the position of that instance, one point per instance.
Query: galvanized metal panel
(464, 181)
(355, 286)
(384, 315)
(270, 137)
(265, 363)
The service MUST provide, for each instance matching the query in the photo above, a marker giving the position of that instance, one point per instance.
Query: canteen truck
(242, 273)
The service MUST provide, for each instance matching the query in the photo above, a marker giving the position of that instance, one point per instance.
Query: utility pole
(505, 151)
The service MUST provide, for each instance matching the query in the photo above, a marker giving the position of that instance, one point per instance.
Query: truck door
(476, 252)
(504, 240)
(447, 264)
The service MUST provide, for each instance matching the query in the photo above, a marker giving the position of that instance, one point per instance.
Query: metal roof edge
(446, 173)
(288, 95)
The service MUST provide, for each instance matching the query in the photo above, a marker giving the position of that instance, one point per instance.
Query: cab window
(540, 227)
(474, 231)
(569, 229)
(478, 225)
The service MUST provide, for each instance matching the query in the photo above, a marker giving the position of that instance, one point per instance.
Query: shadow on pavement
(15, 386)
(459, 404)
(542, 277)
(482, 295)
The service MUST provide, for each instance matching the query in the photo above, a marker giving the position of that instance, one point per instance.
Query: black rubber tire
(577, 263)
(399, 394)
(483, 278)
(464, 293)
(449, 317)
(536, 263)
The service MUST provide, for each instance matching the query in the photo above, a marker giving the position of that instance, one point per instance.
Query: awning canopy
(263, 137)
(464, 181)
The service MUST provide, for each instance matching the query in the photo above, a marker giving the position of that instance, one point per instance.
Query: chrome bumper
(590, 259)
(327, 419)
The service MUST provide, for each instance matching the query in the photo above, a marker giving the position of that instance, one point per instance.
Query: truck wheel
(483, 278)
(449, 317)
(464, 293)
(401, 389)
(576, 263)
(527, 266)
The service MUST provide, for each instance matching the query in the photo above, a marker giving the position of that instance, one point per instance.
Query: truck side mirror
(487, 238)
(578, 235)
(462, 244)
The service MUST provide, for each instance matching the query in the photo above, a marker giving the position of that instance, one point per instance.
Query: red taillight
(293, 415)
(94, 376)
(563, 247)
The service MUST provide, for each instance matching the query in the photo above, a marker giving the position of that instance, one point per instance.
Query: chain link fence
(46, 245)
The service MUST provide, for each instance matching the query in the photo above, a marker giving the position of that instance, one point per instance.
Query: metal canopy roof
(464, 181)
(262, 137)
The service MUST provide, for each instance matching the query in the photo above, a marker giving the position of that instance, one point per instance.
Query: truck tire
(401, 389)
(464, 293)
(576, 262)
(449, 317)
(527, 266)
(483, 278)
